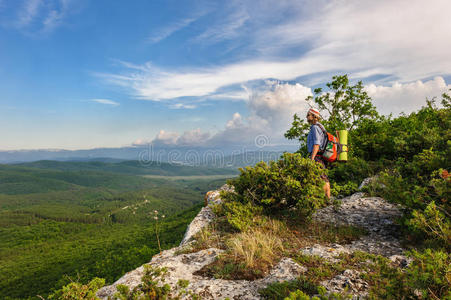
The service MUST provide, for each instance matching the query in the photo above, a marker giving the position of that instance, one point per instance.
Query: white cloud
(235, 122)
(407, 40)
(37, 17)
(140, 142)
(182, 106)
(166, 138)
(105, 101)
(407, 97)
(193, 137)
(228, 27)
(28, 12)
(271, 109)
(167, 31)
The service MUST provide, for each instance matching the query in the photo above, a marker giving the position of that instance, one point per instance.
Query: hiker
(315, 140)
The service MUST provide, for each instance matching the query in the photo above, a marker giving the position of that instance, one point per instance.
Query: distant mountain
(193, 156)
(131, 167)
(248, 158)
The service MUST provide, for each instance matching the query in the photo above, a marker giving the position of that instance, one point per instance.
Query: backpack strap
(326, 138)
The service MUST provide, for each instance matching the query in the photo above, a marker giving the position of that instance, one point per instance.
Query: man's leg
(327, 189)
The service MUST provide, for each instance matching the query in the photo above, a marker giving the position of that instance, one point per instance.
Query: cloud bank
(407, 97)
(271, 109)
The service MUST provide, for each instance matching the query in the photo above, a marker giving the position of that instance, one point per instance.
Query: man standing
(315, 140)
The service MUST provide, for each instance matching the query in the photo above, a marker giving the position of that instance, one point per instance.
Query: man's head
(313, 116)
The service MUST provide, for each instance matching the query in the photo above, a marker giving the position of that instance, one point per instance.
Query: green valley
(69, 221)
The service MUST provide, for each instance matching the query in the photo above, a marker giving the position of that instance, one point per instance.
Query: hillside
(61, 221)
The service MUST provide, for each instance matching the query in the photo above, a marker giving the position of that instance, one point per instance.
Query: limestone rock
(203, 218)
(400, 261)
(327, 252)
(372, 213)
(350, 281)
(183, 266)
(206, 215)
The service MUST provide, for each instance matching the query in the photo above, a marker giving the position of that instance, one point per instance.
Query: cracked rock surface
(183, 266)
(372, 213)
(375, 215)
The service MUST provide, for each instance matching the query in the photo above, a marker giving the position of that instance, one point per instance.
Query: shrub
(299, 295)
(427, 277)
(433, 223)
(78, 291)
(430, 272)
(291, 181)
(344, 190)
(238, 215)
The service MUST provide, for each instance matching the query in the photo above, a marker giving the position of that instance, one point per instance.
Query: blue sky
(78, 74)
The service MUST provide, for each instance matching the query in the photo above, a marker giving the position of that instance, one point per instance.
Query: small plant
(300, 289)
(152, 287)
(249, 254)
(157, 227)
(281, 290)
(206, 238)
(299, 295)
(79, 291)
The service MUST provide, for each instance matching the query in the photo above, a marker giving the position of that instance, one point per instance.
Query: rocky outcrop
(372, 213)
(184, 266)
(206, 215)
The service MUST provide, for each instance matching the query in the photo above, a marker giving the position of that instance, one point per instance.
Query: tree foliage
(343, 106)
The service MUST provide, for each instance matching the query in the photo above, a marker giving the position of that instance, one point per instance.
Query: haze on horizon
(87, 74)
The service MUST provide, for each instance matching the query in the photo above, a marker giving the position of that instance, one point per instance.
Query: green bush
(427, 277)
(433, 223)
(355, 170)
(300, 295)
(403, 137)
(238, 215)
(292, 181)
(79, 291)
(430, 272)
(344, 190)
(425, 196)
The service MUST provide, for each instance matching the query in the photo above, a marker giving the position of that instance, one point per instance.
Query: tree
(345, 106)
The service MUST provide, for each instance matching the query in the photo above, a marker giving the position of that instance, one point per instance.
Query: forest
(72, 221)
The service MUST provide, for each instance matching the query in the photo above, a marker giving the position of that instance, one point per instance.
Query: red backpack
(331, 148)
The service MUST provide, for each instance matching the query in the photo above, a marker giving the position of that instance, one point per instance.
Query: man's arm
(315, 151)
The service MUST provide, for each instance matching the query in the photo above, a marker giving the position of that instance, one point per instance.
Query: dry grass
(257, 245)
(252, 253)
